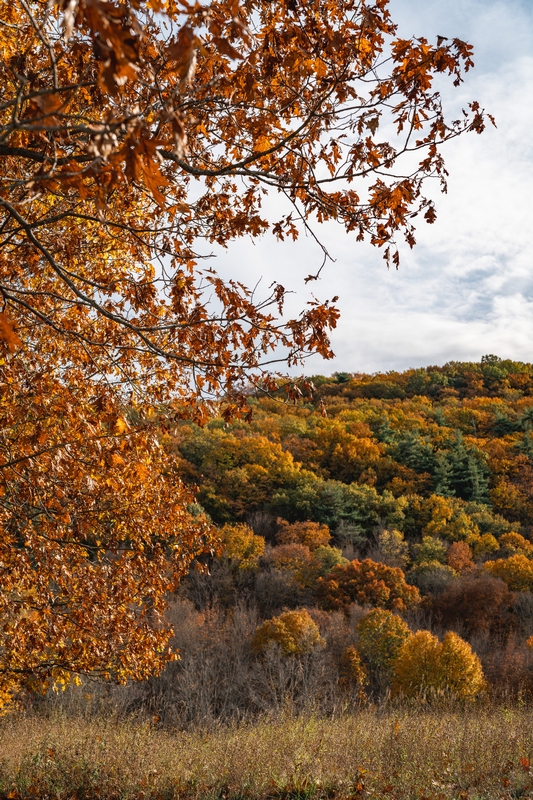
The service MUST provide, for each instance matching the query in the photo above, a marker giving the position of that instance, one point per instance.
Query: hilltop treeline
(462, 432)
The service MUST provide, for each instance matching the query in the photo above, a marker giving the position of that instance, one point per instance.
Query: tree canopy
(132, 132)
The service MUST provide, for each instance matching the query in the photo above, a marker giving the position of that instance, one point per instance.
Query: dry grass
(379, 754)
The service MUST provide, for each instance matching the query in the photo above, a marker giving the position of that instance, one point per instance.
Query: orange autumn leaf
(8, 334)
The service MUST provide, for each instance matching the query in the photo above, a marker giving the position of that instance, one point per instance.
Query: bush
(275, 590)
(352, 672)
(294, 631)
(435, 669)
(381, 636)
(368, 583)
(523, 608)
(431, 577)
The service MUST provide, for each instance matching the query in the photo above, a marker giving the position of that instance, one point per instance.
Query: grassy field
(472, 753)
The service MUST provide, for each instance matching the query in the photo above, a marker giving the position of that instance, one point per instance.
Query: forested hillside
(369, 450)
(396, 506)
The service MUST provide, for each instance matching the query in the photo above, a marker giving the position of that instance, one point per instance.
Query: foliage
(381, 636)
(515, 544)
(295, 559)
(90, 544)
(482, 545)
(294, 631)
(516, 571)
(367, 583)
(393, 548)
(446, 537)
(353, 672)
(310, 534)
(429, 550)
(459, 557)
(134, 136)
(431, 577)
(477, 602)
(450, 521)
(242, 546)
(429, 668)
(303, 564)
(328, 557)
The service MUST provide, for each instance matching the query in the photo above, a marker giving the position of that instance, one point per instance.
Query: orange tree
(130, 134)
(368, 583)
(97, 529)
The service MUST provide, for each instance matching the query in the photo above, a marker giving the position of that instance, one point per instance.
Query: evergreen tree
(439, 417)
(526, 445)
(442, 475)
(526, 419)
(503, 425)
(415, 452)
(469, 474)
(383, 431)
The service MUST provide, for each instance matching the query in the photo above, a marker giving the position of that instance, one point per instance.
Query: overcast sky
(467, 287)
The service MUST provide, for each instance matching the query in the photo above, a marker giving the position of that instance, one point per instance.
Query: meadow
(402, 752)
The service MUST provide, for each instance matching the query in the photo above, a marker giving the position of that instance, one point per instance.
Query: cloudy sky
(467, 287)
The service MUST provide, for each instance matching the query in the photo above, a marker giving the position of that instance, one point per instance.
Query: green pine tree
(442, 476)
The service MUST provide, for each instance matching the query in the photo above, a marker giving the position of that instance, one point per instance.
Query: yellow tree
(516, 571)
(241, 546)
(433, 669)
(294, 631)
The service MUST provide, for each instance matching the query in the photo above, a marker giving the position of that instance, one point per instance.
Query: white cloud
(467, 287)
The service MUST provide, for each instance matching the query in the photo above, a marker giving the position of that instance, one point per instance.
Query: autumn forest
(376, 511)
(202, 559)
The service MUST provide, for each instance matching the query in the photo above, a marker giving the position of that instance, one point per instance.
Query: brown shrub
(476, 602)
(508, 667)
